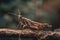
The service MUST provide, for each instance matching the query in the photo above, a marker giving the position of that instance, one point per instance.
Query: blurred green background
(43, 11)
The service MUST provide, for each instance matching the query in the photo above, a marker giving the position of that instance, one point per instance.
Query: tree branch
(26, 32)
(30, 33)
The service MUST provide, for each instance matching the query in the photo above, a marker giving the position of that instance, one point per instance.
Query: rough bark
(29, 33)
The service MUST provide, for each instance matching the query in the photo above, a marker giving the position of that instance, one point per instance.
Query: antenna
(19, 13)
(19, 17)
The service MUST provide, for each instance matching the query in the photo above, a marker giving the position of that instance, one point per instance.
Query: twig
(26, 32)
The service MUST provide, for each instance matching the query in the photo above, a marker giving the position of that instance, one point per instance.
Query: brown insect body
(27, 23)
